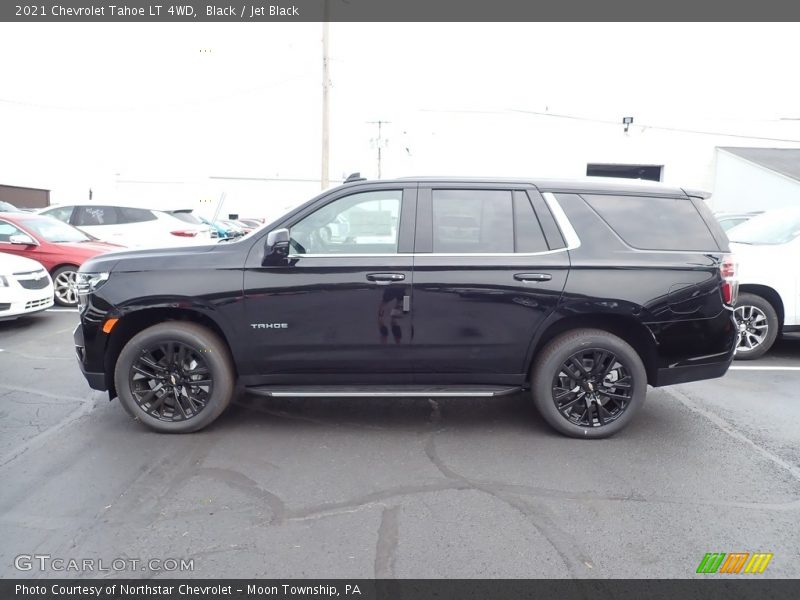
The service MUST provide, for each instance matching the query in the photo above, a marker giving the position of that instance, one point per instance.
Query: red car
(59, 247)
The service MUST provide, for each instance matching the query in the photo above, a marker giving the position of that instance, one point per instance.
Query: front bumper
(25, 304)
(95, 379)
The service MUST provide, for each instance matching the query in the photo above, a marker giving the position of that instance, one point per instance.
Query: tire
(753, 313)
(610, 363)
(65, 291)
(167, 402)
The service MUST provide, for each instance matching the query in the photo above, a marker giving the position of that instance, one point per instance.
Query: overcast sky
(86, 104)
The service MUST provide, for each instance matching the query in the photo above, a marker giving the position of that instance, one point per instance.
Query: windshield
(773, 227)
(53, 230)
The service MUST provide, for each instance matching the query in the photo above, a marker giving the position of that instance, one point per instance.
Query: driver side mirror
(22, 240)
(276, 248)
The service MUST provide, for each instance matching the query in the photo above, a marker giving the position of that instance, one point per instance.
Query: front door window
(363, 223)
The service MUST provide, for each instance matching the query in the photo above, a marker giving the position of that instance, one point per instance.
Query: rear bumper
(96, 380)
(680, 359)
(693, 372)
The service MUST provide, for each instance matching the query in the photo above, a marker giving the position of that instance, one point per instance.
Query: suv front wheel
(175, 377)
(588, 383)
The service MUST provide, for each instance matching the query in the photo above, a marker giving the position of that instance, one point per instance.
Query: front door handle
(385, 277)
(533, 276)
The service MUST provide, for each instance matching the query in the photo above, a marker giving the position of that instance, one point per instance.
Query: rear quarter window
(135, 215)
(654, 223)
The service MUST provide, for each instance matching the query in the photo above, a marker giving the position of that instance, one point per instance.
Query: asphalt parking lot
(395, 488)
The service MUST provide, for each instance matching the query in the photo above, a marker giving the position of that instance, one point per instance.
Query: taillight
(184, 232)
(729, 286)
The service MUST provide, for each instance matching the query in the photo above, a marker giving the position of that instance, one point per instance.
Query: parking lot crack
(386, 547)
(574, 560)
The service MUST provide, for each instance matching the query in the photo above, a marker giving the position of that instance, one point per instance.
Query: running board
(384, 391)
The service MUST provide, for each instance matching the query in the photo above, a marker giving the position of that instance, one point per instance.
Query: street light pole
(379, 141)
(324, 179)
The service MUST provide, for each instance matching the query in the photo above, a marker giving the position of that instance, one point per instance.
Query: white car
(131, 226)
(25, 287)
(767, 250)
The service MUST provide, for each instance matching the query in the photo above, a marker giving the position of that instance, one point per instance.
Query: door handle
(533, 276)
(385, 277)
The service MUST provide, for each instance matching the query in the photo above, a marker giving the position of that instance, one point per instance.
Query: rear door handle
(533, 276)
(385, 277)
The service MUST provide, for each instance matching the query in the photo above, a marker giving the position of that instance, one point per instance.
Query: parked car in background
(59, 247)
(25, 287)
(729, 220)
(235, 227)
(220, 230)
(8, 207)
(131, 226)
(254, 223)
(767, 249)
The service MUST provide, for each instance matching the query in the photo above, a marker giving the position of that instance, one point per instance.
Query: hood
(10, 263)
(89, 249)
(147, 259)
(759, 263)
(750, 252)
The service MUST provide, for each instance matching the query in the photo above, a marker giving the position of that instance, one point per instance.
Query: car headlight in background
(89, 282)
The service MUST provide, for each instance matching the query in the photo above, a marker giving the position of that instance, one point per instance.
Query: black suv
(581, 292)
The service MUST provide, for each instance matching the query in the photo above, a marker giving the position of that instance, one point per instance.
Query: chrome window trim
(570, 238)
(434, 254)
(569, 233)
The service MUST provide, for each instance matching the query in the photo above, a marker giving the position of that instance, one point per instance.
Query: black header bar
(250, 11)
(732, 588)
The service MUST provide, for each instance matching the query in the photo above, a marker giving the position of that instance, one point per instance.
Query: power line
(609, 122)
(659, 127)
(294, 179)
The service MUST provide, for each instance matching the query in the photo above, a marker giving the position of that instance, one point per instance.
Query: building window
(648, 172)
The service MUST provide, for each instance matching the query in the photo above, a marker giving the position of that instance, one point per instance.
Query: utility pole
(379, 141)
(326, 83)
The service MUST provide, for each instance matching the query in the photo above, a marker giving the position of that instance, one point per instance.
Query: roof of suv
(602, 185)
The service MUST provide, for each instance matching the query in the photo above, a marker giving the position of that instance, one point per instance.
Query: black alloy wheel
(588, 383)
(171, 381)
(592, 388)
(175, 377)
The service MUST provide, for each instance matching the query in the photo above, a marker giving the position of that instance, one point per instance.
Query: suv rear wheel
(175, 377)
(588, 383)
(758, 326)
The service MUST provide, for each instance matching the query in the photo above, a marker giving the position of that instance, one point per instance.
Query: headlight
(89, 282)
(3, 281)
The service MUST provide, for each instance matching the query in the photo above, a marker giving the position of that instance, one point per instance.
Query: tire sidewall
(748, 299)
(554, 355)
(217, 360)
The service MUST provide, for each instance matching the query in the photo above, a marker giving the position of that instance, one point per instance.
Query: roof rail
(355, 177)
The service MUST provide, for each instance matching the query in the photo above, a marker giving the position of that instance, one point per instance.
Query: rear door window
(86, 216)
(472, 221)
(654, 223)
(528, 236)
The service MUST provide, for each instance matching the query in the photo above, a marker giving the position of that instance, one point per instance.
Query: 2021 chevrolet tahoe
(581, 292)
